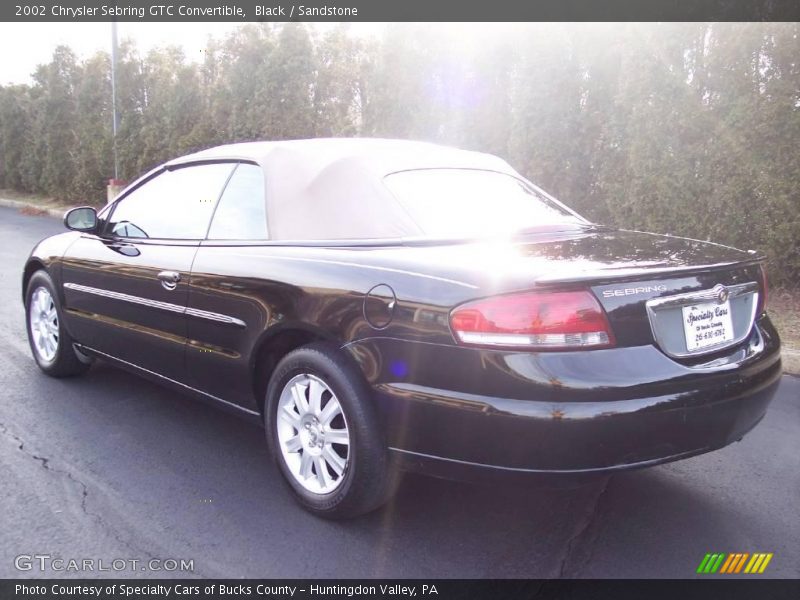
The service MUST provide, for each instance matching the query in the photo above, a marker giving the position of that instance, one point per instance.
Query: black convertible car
(383, 305)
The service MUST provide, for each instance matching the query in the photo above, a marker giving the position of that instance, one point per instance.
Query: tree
(53, 125)
(687, 128)
(14, 131)
(284, 97)
(93, 152)
(337, 84)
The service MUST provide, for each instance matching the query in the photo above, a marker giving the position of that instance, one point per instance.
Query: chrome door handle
(169, 279)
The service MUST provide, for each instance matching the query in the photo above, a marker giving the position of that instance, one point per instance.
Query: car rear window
(472, 202)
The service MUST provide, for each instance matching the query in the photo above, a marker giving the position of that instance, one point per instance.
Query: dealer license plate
(707, 324)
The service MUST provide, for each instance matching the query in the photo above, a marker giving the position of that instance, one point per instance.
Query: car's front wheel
(50, 342)
(325, 435)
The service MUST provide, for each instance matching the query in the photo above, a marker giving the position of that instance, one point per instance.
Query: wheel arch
(273, 345)
(33, 265)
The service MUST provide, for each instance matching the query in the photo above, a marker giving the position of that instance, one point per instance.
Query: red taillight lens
(762, 299)
(538, 320)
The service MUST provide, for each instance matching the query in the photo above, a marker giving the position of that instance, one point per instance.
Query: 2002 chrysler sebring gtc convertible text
(386, 304)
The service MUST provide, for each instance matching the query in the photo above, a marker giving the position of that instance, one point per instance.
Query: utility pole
(114, 123)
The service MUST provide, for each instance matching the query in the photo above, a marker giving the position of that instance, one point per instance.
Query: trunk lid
(689, 298)
(643, 281)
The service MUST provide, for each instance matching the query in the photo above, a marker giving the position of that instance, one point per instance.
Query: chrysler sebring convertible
(385, 305)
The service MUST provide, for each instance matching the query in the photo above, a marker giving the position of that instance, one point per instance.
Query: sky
(23, 46)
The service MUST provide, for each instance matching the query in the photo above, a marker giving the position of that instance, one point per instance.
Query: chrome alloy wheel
(312, 433)
(43, 323)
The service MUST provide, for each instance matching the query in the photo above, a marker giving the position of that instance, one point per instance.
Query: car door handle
(169, 279)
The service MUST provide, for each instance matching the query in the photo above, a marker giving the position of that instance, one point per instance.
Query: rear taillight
(535, 320)
(762, 297)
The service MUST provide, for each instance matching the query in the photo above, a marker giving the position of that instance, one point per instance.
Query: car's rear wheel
(324, 434)
(50, 342)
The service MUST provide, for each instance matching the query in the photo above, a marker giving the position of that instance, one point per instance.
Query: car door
(126, 287)
(224, 284)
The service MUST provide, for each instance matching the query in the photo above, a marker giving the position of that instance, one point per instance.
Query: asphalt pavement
(110, 466)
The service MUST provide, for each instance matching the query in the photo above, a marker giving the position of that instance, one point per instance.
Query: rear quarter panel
(272, 289)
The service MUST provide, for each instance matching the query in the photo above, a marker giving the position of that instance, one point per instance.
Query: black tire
(65, 362)
(368, 479)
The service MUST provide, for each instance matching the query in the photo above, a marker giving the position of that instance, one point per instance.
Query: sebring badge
(631, 291)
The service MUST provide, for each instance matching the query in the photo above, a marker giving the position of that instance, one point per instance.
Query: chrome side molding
(711, 295)
(167, 306)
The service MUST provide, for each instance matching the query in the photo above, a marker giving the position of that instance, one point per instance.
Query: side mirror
(83, 218)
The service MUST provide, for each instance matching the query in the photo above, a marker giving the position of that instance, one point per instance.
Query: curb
(57, 213)
(791, 361)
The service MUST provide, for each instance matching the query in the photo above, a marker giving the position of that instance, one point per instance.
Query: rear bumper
(579, 413)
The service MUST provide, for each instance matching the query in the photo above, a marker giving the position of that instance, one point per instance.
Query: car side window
(175, 204)
(242, 212)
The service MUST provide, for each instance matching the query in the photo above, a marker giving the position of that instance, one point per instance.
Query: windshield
(468, 203)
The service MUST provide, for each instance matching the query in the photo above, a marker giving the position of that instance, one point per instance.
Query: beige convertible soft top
(333, 188)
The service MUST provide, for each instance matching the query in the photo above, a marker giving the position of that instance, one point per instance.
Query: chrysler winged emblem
(721, 293)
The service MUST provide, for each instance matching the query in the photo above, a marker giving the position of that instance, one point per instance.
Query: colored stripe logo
(737, 562)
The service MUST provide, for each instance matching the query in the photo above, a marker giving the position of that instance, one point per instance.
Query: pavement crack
(4, 430)
(591, 517)
(45, 463)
